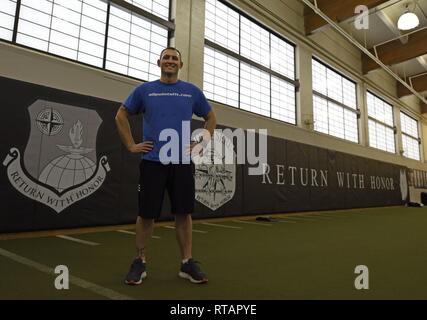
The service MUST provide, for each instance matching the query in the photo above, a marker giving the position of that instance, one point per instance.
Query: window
(247, 66)
(334, 103)
(221, 77)
(72, 29)
(122, 36)
(410, 137)
(158, 7)
(7, 18)
(418, 179)
(254, 90)
(381, 124)
(134, 44)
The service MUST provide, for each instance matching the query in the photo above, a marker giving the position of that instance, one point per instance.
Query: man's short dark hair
(171, 48)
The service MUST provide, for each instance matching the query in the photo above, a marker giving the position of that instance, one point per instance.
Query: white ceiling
(383, 27)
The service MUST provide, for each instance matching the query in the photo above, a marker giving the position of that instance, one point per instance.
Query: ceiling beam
(423, 62)
(395, 51)
(423, 108)
(337, 10)
(418, 82)
(391, 26)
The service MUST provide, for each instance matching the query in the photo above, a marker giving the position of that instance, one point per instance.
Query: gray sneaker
(191, 271)
(136, 273)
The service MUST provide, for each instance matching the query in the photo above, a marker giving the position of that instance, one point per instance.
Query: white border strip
(319, 216)
(299, 219)
(253, 223)
(133, 233)
(194, 230)
(126, 231)
(89, 243)
(102, 291)
(220, 225)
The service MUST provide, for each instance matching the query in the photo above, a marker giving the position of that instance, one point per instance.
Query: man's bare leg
(184, 235)
(144, 232)
(189, 268)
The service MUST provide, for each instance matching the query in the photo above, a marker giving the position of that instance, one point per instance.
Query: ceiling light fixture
(408, 20)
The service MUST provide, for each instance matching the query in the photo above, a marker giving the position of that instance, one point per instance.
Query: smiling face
(170, 63)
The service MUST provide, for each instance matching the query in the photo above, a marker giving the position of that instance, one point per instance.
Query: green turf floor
(312, 257)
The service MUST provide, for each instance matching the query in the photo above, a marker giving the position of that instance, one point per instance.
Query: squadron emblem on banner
(215, 178)
(59, 166)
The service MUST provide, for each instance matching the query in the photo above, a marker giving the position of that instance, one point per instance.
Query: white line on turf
(300, 219)
(102, 291)
(220, 225)
(194, 230)
(319, 216)
(126, 231)
(335, 215)
(133, 233)
(254, 223)
(89, 243)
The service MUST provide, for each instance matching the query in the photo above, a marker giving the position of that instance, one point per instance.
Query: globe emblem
(72, 168)
(67, 171)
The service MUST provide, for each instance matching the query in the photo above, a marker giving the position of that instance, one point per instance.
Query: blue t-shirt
(166, 106)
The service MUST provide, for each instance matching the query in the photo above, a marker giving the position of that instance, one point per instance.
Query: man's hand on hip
(143, 147)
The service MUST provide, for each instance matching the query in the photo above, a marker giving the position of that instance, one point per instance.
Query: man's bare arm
(210, 123)
(196, 147)
(123, 126)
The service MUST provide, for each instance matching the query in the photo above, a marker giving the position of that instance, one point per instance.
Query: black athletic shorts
(155, 178)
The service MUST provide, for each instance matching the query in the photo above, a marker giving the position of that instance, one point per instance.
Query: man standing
(168, 104)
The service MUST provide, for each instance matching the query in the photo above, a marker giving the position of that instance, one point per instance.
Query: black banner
(34, 193)
(64, 166)
(300, 177)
